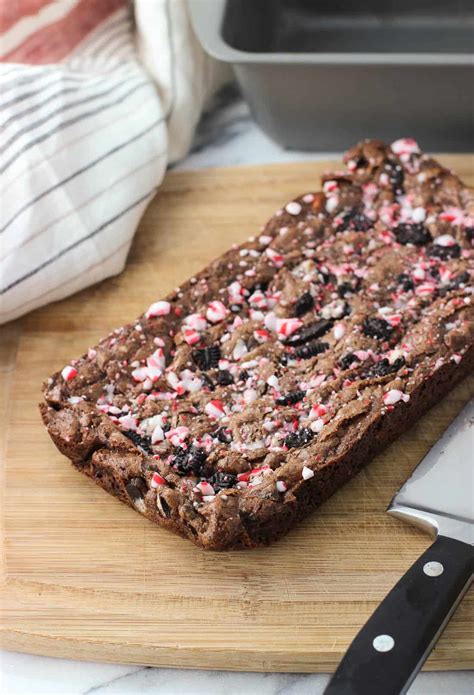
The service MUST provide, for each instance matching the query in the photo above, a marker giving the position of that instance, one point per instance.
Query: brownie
(234, 407)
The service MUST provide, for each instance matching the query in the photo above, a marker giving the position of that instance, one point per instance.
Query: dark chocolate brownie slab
(239, 403)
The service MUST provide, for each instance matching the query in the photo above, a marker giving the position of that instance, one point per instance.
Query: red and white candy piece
(240, 349)
(161, 308)
(157, 479)
(394, 396)
(215, 409)
(419, 274)
(317, 425)
(261, 335)
(307, 473)
(216, 312)
(418, 215)
(293, 208)
(157, 435)
(195, 321)
(128, 422)
(205, 488)
(317, 411)
(286, 327)
(258, 300)
(445, 240)
(157, 360)
(191, 336)
(330, 186)
(255, 472)
(275, 257)
(339, 331)
(273, 381)
(405, 146)
(235, 291)
(454, 215)
(281, 486)
(178, 435)
(425, 289)
(68, 373)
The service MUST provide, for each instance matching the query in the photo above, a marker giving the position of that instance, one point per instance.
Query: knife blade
(392, 646)
(439, 496)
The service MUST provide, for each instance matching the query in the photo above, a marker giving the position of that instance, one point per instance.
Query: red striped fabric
(11, 11)
(54, 42)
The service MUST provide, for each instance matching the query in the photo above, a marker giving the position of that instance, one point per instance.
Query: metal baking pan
(322, 74)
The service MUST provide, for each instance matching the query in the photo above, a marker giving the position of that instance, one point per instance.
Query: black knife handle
(393, 644)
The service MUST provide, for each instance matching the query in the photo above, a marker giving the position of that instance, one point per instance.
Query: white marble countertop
(226, 136)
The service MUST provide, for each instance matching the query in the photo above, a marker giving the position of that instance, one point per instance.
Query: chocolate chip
(377, 328)
(336, 309)
(303, 304)
(262, 286)
(143, 443)
(444, 253)
(224, 377)
(313, 330)
(347, 288)
(469, 232)
(207, 358)
(207, 382)
(291, 398)
(354, 221)
(190, 460)
(325, 278)
(383, 368)
(396, 177)
(412, 233)
(179, 460)
(222, 481)
(136, 489)
(316, 347)
(406, 282)
(348, 360)
(224, 435)
(299, 438)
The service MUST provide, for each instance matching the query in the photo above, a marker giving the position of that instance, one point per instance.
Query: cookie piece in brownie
(240, 402)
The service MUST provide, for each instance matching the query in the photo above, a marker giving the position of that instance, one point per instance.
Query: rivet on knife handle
(392, 646)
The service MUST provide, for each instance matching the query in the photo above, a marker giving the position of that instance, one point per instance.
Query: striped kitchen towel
(96, 98)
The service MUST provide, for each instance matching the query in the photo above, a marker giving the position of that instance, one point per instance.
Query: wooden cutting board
(88, 578)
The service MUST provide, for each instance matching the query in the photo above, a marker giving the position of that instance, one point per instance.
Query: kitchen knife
(390, 649)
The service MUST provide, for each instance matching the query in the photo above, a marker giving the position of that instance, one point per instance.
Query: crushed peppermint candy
(68, 373)
(196, 321)
(405, 146)
(178, 435)
(307, 473)
(216, 312)
(275, 257)
(215, 409)
(286, 327)
(293, 208)
(191, 336)
(157, 480)
(205, 489)
(160, 308)
(394, 396)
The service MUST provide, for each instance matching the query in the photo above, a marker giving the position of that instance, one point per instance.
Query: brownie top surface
(342, 304)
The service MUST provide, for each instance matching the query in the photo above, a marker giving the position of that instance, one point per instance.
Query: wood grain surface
(88, 578)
